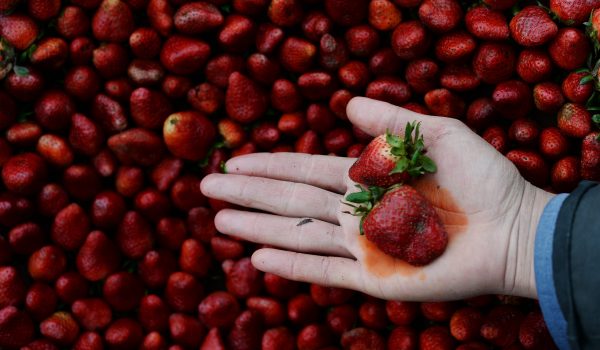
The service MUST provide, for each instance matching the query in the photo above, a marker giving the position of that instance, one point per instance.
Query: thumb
(375, 117)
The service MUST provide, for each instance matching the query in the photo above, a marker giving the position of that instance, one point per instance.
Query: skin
(489, 210)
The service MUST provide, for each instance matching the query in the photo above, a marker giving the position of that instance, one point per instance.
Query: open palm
(489, 210)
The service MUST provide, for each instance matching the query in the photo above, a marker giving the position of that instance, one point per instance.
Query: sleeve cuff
(544, 278)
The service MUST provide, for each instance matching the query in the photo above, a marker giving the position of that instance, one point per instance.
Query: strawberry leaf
(401, 166)
(428, 164)
(586, 79)
(21, 71)
(359, 197)
(596, 118)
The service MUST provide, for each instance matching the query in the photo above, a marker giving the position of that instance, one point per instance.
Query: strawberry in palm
(390, 159)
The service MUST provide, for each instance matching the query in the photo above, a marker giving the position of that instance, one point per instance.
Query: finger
(322, 270)
(376, 117)
(300, 235)
(275, 196)
(321, 171)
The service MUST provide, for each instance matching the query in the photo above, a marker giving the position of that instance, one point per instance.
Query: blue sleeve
(544, 278)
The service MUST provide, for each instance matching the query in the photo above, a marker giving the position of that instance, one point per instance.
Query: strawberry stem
(411, 152)
(366, 198)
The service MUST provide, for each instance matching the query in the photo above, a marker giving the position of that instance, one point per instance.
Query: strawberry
(533, 333)
(389, 89)
(494, 62)
(12, 287)
(465, 324)
(50, 53)
(123, 291)
(271, 310)
(402, 338)
(218, 309)
(98, 257)
(160, 15)
(8, 6)
(200, 223)
(280, 287)
(109, 114)
(572, 12)
(297, 55)
(111, 60)
(73, 22)
(53, 110)
(108, 208)
(532, 26)
(244, 100)
(383, 15)
(422, 75)
(24, 173)
(243, 280)
(552, 143)
(570, 49)
(113, 21)
(531, 166)
(219, 69)
(246, 332)
(285, 96)
(81, 181)
(197, 17)
(565, 174)
(436, 337)
(145, 43)
(194, 258)
(354, 75)
(16, 328)
(314, 336)
(384, 62)
(338, 140)
(18, 30)
(137, 146)
(445, 103)
(339, 101)
(206, 98)
(513, 99)
(410, 40)
(185, 330)
(153, 313)
(153, 340)
(134, 236)
(40, 301)
(333, 52)
(302, 309)
(70, 227)
(27, 87)
(309, 143)
(362, 338)
(82, 82)
(213, 341)
(92, 314)
(284, 13)
(501, 325)
(362, 40)
(189, 134)
(438, 311)
(119, 89)
(523, 132)
(548, 97)
(171, 233)
(8, 114)
(265, 135)
(61, 328)
(14, 210)
(184, 55)
(129, 181)
(149, 108)
(459, 78)
(156, 267)
(26, 238)
(105, 163)
(372, 314)
(237, 33)
(577, 87)
(319, 118)
(534, 66)
(81, 50)
(400, 208)
(88, 341)
(440, 15)
(327, 296)
(388, 160)
(42, 344)
(124, 333)
(71, 286)
(280, 338)
(346, 12)
(590, 157)
(145, 72)
(186, 194)
(455, 46)
(341, 318)
(401, 313)
(486, 24)
(500, 4)
(317, 85)
(165, 172)
(574, 120)
(183, 292)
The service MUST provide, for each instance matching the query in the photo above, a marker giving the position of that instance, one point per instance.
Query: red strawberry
(372, 314)
(61, 328)
(436, 337)
(297, 55)
(165, 172)
(73, 22)
(552, 143)
(391, 90)
(459, 78)
(531, 166)
(145, 43)
(314, 336)
(134, 236)
(280, 287)
(26, 87)
(333, 53)
(53, 110)
(465, 324)
(410, 40)
(184, 55)
(113, 21)
(577, 87)
(342, 318)
(326, 296)
(108, 208)
(422, 75)
(346, 12)
(565, 174)
(244, 101)
(389, 224)
(154, 340)
(574, 120)
(160, 15)
(185, 330)
(271, 310)
(384, 62)
(197, 17)
(18, 30)
(243, 280)
(81, 50)
(501, 326)
(494, 62)
(237, 34)
(149, 108)
(590, 157)
(284, 13)
(206, 98)
(486, 23)
(109, 113)
(194, 258)
(390, 155)
(523, 131)
(111, 60)
(105, 163)
(317, 85)
(98, 257)
(124, 333)
(188, 134)
(548, 97)
(213, 341)
(339, 101)
(71, 286)
(438, 311)
(302, 309)
(246, 333)
(280, 338)
(402, 338)
(82, 82)
(123, 291)
(156, 267)
(534, 65)
(401, 313)
(8, 114)
(50, 53)
(455, 46)
(383, 15)
(440, 15)
(119, 89)
(218, 309)
(532, 26)
(183, 292)
(444, 103)
(14, 210)
(26, 238)
(42, 344)
(92, 314)
(354, 75)
(70, 228)
(338, 140)
(309, 143)
(362, 338)
(573, 12)
(533, 333)
(319, 118)
(137, 146)
(12, 287)
(513, 99)
(16, 328)
(362, 40)
(81, 181)
(570, 48)
(153, 313)
(24, 173)
(8, 6)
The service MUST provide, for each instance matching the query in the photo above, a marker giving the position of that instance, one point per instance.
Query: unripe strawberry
(123, 291)
(302, 310)
(61, 328)
(183, 292)
(81, 181)
(71, 286)
(93, 314)
(26, 238)
(124, 333)
(40, 301)
(47, 263)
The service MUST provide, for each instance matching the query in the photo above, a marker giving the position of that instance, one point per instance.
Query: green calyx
(411, 152)
(364, 200)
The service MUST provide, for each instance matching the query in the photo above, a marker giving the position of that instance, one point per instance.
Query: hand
(490, 212)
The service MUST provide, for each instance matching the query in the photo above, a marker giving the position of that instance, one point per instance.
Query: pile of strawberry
(112, 111)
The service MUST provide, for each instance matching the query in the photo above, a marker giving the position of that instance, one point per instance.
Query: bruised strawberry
(401, 313)
(532, 26)
(123, 291)
(362, 338)
(534, 65)
(183, 292)
(98, 257)
(531, 166)
(572, 12)
(577, 87)
(61, 328)
(237, 33)
(501, 326)
(444, 103)
(389, 89)
(12, 287)
(565, 174)
(53, 110)
(548, 97)
(24, 173)
(124, 333)
(395, 234)
(402, 338)
(486, 23)
(245, 102)
(18, 30)
(218, 309)
(246, 333)
(455, 46)
(109, 114)
(513, 99)
(333, 53)
(459, 78)
(16, 328)
(137, 146)
(284, 13)
(410, 40)
(570, 48)
(590, 157)
(494, 62)
(574, 120)
(205, 98)
(436, 337)
(346, 12)
(113, 21)
(552, 143)
(185, 330)
(184, 55)
(440, 15)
